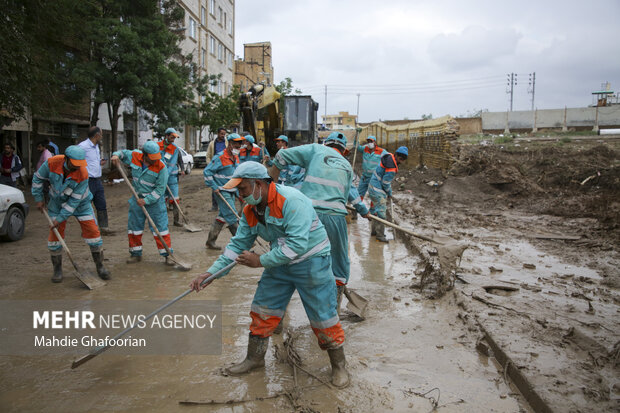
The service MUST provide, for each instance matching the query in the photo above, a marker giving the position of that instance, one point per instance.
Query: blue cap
(152, 150)
(338, 138)
(403, 151)
(249, 138)
(371, 138)
(249, 170)
(282, 138)
(76, 154)
(234, 137)
(171, 130)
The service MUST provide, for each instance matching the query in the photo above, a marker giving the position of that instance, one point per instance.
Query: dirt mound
(563, 180)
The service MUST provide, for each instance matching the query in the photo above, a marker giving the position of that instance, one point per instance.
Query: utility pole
(357, 114)
(532, 87)
(512, 82)
(325, 106)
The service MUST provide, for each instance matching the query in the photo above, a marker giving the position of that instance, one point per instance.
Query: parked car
(188, 161)
(13, 211)
(200, 158)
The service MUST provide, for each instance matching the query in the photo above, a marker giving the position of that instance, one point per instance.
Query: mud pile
(572, 181)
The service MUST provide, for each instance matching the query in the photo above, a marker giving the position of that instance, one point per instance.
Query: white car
(13, 211)
(188, 161)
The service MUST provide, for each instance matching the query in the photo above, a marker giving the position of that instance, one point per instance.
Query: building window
(192, 28)
(219, 88)
(212, 7)
(230, 60)
(220, 52)
(225, 20)
(203, 16)
(230, 28)
(221, 15)
(204, 57)
(212, 85)
(212, 46)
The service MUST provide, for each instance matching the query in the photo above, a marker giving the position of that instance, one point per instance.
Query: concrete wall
(578, 118)
(469, 126)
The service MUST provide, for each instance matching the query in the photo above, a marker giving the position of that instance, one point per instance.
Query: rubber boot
(373, 228)
(233, 229)
(339, 294)
(175, 214)
(257, 347)
(134, 259)
(381, 233)
(57, 263)
(97, 253)
(280, 325)
(340, 375)
(102, 221)
(216, 228)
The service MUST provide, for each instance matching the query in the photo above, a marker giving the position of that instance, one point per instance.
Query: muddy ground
(557, 321)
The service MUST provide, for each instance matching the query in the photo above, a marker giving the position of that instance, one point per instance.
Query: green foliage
(135, 54)
(427, 117)
(504, 139)
(212, 110)
(285, 88)
(41, 42)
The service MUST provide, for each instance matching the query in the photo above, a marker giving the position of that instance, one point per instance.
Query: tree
(134, 54)
(212, 110)
(41, 43)
(427, 117)
(285, 87)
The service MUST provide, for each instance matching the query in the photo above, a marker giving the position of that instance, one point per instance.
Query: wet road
(406, 346)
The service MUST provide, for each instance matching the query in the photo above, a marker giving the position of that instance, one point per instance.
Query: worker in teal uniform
(298, 260)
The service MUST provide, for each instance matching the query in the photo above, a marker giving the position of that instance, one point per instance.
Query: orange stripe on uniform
(159, 244)
(89, 229)
(135, 240)
(330, 337)
(263, 326)
(61, 230)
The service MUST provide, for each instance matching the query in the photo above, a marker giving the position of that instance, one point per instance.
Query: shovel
(258, 241)
(182, 265)
(188, 226)
(357, 304)
(406, 231)
(100, 349)
(87, 277)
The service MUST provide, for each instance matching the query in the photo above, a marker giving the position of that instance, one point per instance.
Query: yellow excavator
(266, 114)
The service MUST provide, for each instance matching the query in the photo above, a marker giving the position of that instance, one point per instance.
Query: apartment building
(210, 38)
(255, 67)
(342, 120)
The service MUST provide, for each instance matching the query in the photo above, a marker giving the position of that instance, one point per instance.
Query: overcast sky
(409, 57)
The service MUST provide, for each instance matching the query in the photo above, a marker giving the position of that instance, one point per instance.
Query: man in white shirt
(94, 163)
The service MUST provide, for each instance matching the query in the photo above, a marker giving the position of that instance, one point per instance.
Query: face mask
(236, 152)
(371, 145)
(250, 198)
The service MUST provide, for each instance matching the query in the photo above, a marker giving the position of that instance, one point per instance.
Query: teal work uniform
(298, 259)
(171, 156)
(256, 154)
(328, 183)
(380, 186)
(68, 196)
(150, 185)
(216, 174)
(370, 161)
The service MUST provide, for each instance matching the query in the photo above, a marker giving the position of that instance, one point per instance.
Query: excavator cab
(299, 122)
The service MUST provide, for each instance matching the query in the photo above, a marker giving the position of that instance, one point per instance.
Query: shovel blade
(88, 278)
(191, 228)
(357, 304)
(180, 264)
